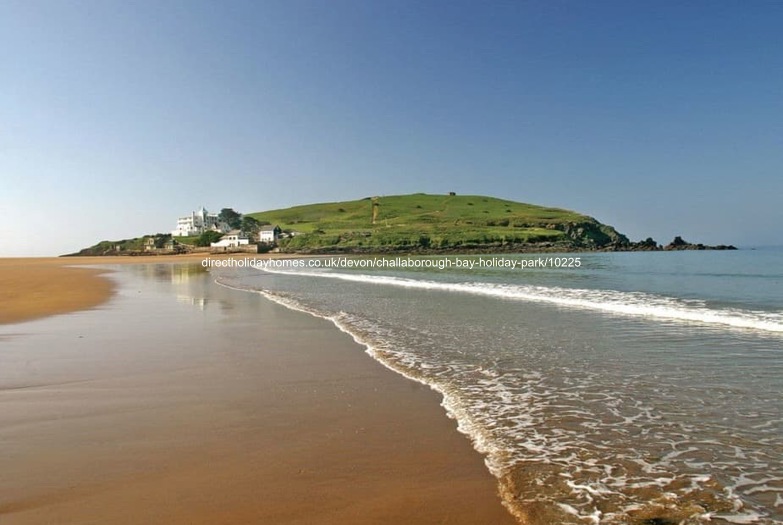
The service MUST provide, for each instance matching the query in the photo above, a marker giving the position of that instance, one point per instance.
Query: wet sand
(34, 288)
(183, 402)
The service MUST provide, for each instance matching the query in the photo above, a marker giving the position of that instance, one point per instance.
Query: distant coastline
(462, 250)
(415, 224)
(520, 248)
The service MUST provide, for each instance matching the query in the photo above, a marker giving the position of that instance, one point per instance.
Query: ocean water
(632, 388)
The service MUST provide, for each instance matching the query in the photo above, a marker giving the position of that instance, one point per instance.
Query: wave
(638, 304)
(505, 416)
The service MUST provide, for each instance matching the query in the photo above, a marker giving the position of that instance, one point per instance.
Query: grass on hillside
(428, 221)
(190, 241)
(133, 246)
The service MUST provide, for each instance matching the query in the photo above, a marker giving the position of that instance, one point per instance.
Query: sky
(660, 118)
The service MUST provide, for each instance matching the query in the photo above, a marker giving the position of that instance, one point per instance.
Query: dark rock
(679, 244)
(594, 235)
(647, 245)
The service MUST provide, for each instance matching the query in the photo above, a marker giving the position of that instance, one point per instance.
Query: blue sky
(660, 118)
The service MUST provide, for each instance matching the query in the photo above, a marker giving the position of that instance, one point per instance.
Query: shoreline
(37, 288)
(249, 413)
(372, 352)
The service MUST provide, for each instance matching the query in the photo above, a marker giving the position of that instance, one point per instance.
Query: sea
(642, 387)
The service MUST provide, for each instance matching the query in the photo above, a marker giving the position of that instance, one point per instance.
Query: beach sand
(179, 401)
(33, 288)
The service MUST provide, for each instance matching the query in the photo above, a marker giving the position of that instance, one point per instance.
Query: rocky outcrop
(647, 245)
(592, 234)
(680, 244)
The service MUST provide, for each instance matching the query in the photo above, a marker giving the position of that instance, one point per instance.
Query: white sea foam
(508, 416)
(739, 519)
(464, 424)
(636, 304)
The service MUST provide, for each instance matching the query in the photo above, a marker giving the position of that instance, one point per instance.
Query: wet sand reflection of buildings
(188, 280)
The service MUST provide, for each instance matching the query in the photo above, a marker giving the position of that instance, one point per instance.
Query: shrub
(208, 237)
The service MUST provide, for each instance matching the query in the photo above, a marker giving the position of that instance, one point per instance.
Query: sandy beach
(33, 288)
(179, 401)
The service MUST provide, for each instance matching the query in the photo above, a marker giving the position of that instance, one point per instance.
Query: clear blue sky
(660, 118)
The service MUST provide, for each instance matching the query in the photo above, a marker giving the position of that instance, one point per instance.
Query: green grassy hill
(133, 246)
(441, 222)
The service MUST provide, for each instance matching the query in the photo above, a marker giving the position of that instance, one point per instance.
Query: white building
(269, 234)
(197, 223)
(232, 239)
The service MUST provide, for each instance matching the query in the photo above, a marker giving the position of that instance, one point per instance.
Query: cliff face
(591, 234)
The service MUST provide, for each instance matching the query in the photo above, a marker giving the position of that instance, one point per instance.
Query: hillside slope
(440, 222)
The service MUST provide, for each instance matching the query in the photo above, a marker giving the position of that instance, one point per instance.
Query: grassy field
(190, 241)
(422, 221)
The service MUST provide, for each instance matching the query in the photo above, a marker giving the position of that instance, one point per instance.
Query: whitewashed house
(232, 239)
(269, 234)
(198, 222)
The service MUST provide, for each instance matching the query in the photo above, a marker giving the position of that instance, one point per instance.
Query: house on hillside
(232, 239)
(162, 244)
(269, 234)
(150, 244)
(171, 245)
(198, 222)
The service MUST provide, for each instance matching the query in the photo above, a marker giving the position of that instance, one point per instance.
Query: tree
(208, 237)
(249, 224)
(230, 217)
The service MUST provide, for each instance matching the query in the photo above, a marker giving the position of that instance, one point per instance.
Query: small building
(232, 239)
(269, 234)
(171, 245)
(150, 245)
(162, 244)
